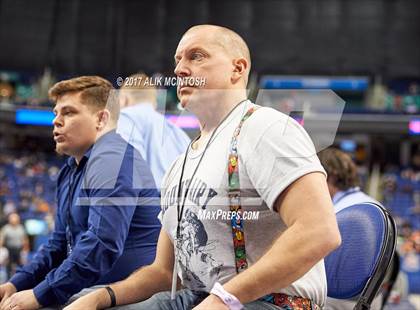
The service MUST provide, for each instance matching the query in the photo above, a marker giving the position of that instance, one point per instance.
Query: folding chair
(394, 270)
(357, 268)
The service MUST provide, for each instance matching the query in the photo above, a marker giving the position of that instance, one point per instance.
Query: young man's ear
(103, 119)
(240, 66)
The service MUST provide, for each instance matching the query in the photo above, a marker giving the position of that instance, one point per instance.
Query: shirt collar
(339, 195)
(71, 161)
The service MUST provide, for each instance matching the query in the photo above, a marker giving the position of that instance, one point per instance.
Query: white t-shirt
(274, 151)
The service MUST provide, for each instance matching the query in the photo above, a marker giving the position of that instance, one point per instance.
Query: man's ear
(103, 119)
(240, 66)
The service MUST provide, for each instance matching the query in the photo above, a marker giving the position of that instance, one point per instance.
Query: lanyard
(241, 263)
(234, 193)
(180, 207)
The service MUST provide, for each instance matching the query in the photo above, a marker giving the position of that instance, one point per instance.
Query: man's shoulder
(364, 197)
(269, 113)
(357, 197)
(262, 121)
(111, 143)
(148, 116)
(110, 153)
(6, 228)
(264, 117)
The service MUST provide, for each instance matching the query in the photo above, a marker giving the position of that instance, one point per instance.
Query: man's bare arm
(306, 208)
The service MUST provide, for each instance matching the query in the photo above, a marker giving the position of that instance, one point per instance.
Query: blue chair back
(358, 266)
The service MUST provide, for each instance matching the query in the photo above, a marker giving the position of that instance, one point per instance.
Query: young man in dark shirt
(106, 224)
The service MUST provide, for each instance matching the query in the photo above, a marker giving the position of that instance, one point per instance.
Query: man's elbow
(333, 241)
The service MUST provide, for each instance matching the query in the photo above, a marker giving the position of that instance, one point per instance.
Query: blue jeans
(184, 300)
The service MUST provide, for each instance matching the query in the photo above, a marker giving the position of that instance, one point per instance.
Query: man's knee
(159, 301)
(84, 292)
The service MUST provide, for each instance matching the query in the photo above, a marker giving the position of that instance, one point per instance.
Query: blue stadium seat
(358, 267)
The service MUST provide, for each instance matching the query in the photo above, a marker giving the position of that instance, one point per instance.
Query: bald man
(251, 180)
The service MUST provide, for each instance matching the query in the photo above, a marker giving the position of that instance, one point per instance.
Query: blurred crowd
(398, 96)
(21, 90)
(401, 196)
(27, 205)
(27, 185)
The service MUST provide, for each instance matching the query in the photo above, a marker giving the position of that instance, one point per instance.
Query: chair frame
(394, 271)
(374, 283)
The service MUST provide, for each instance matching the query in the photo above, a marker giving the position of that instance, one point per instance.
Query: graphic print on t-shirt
(193, 246)
(199, 194)
(193, 250)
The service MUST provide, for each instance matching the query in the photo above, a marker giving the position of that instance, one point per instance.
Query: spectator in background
(343, 180)
(343, 185)
(412, 100)
(13, 238)
(9, 207)
(158, 141)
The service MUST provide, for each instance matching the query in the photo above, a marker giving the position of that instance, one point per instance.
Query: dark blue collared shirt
(106, 224)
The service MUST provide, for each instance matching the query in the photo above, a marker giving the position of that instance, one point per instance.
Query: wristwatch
(228, 299)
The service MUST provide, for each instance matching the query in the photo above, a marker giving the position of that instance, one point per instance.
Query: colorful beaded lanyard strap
(234, 194)
(234, 197)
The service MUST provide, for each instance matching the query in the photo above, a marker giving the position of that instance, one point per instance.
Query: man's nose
(181, 70)
(57, 121)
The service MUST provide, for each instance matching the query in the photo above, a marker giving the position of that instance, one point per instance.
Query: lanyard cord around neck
(180, 207)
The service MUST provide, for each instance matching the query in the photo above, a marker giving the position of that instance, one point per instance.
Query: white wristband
(228, 299)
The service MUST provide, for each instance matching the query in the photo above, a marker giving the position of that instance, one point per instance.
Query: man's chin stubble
(57, 150)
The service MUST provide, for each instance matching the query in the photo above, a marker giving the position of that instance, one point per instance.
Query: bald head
(230, 41)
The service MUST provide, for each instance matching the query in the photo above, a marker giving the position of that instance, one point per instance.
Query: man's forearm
(293, 254)
(141, 285)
